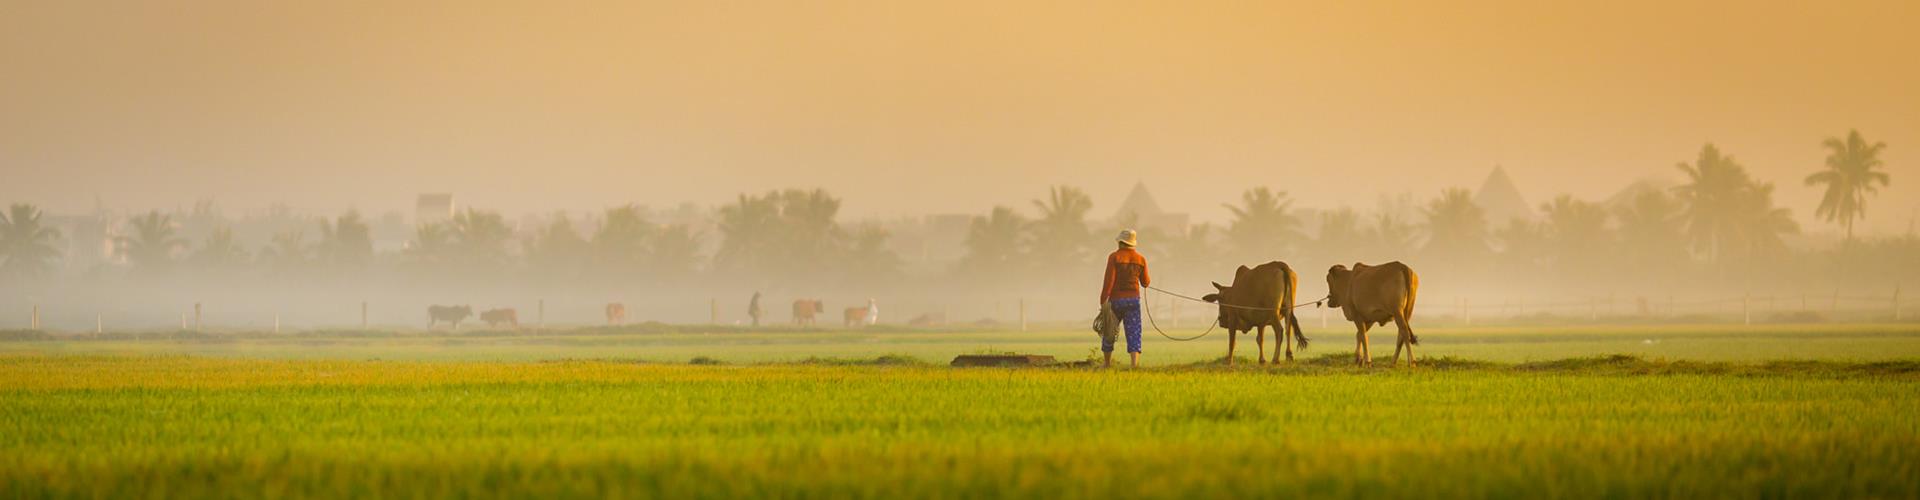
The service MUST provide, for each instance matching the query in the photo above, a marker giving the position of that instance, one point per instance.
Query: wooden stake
(1746, 309)
(543, 315)
(1023, 315)
(363, 315)
(35, 323)
(276, 323)
(713, 311)
(196, 316)
(98, 325)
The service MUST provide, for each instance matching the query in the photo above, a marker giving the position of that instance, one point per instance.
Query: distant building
(1145, 214)
(1500, 200)
(433, 208)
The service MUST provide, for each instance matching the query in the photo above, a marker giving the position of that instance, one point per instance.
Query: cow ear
(1211, 297)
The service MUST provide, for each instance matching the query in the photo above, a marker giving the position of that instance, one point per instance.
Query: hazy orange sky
(918, 107)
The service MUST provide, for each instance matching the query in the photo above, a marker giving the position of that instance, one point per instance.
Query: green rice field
(1780, 411)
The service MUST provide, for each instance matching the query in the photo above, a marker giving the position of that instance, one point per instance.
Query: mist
(283, 163)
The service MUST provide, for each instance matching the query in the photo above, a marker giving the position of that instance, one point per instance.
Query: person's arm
(1144, 281)
(1106, 284)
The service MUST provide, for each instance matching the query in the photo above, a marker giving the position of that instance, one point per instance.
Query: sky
(906, 108)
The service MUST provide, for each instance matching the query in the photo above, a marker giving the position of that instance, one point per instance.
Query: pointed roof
(1138, 201)
(1500, 200)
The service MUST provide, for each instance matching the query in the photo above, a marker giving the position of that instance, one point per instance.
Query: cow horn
(1217, 286)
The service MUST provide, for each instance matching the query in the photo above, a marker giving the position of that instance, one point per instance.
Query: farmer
(1126, 275)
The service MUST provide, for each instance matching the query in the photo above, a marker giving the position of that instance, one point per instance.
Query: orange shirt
(1126, 275)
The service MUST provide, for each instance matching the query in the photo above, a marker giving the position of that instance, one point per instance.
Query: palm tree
(995, 243)
(1392, 237)
(1577, 233)
(812, 232)
(26, 246)
(1262, 225)
(1651, 235)
(1850, 176)
(220, 252)
(1061, 235)
(347, 242)
(153, 243)
(1761, 223)
(1340, 234)
(1711, 195)
(868, 258)
(1456, 227)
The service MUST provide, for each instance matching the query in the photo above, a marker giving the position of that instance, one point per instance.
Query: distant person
(753, 309)
(873, 312)
(1126, 275)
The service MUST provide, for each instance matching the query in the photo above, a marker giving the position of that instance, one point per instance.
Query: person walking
(1126, 275)
(753, 309)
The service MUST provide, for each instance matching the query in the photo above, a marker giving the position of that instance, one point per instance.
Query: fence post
(183, 321)
(196, 316)
(713, 311)
(1746, 309)
(98, 325)
(363, 315)
(276, 323)
(1023, 314)
(1464, 314)
(1593, 309)
(1896, 302)
(543, 315)
(34, 324)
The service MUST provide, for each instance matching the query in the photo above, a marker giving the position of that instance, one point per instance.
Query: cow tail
(1413, 288)
(1288, 320)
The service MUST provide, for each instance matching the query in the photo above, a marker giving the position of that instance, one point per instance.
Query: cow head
(1337, 278)
(1222, 296)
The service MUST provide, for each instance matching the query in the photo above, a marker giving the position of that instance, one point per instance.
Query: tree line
(1719, 223)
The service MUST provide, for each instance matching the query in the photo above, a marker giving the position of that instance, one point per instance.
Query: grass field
(279, 417)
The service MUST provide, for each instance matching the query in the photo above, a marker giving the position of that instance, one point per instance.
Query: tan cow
(805, 309)
(616, 313)
(494, 317)
(1260, 297)
(1375, 295)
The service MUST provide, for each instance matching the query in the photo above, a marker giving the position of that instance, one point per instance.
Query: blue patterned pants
(1129, 312)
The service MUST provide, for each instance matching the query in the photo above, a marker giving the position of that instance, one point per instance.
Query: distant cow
(494, 317)
(1375, 295)
(1260, 297)
(805, 309)
(616, 313)
(448, 314)
(859, 316)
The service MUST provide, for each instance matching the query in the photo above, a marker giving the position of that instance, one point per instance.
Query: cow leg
(1365, 351)
(1260, 342)
(1286, 342)
(1406, 335)
(1233, 338)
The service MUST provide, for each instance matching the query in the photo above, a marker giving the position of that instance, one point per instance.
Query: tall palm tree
(1456, 227)
(1761, 223)
(1061, 236)
(1711, 194)
(995, 242)
(1262, 224)
(153, 243)
(1850, 176)
(812, 231)
(26, 246)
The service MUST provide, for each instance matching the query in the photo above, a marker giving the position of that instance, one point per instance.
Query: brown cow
(1260, 297)
(861, 316)
(804, 309)
(447, 314)
(494, 317)
(616, 313)
(1375, 295)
